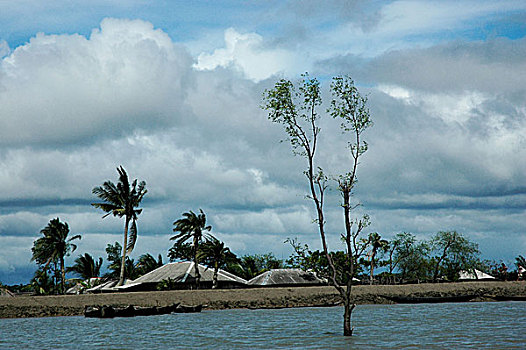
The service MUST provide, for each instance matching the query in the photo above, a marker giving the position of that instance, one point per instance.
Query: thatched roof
(286, 277)
(85, 285)
(470, 275)
(106, 287)
(184, 272)
(4, 292)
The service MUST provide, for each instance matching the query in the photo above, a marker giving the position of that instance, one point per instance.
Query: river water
(422, 326)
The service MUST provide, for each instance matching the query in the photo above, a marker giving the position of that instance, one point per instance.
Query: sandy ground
(70, 305)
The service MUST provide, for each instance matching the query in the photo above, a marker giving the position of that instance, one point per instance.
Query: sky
(171, 90)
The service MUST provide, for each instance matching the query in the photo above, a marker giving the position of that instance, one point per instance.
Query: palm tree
(520, 262)
(216, 255)
(41, 282)
(148, 263)
(191, 227)
(377, 243)
(54, 246)
(181, 251)
(86, 267)
(114, 252)
(121, 200)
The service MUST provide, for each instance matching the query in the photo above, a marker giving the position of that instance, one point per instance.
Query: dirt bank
(71, 305)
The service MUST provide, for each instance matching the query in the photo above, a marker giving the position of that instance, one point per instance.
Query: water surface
(422, 326)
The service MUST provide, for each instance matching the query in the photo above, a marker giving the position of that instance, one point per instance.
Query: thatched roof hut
(4, 292)
(182, 274)
(83, 286)
(286, 277)
(475, 275)
(105, 287)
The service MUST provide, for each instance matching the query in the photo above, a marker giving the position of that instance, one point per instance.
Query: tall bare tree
(296, 109)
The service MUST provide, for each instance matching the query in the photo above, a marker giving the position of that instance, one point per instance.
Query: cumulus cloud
(249, 54)
(446, 151)
(71, 89)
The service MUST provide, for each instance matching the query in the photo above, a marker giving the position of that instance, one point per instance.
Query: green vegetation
(115, 263)
(377, 244)
(147, 263)
(249, 266)
(452, 253)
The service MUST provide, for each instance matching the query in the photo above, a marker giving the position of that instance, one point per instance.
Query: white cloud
(4, 48)
(449, 107)
(249, 54)
(14, 252)
(70, 89)
(446, 152)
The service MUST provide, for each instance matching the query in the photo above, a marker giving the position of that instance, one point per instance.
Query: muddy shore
(73, 305)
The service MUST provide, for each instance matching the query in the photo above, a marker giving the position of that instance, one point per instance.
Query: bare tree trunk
(124, 251)
(347, 312)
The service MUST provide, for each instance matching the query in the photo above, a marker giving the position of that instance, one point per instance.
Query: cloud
(494, 66)
(248, 54)
(446, 151)
(4, 48)
(70, 89)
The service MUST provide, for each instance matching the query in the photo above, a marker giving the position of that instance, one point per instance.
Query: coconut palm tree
(191, 227)
(86, 267)
(520, 262)
(148, 263)
(54, 246)
(114, 252)
(181, 252)
(377, 243)
(216, 255)
(122, 200)
(42, 283)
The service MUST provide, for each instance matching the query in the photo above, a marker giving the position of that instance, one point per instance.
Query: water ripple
(422, 326)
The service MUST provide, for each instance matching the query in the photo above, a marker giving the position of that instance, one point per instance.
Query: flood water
(421, 326)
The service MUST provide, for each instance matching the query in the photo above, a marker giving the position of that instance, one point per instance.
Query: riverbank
(73, 305)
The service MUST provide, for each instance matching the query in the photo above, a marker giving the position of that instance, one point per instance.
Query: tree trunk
(347, 312)
(371, 280)
(124, 250)
(214, 283)
(63, 274)
(196, 265)
(55, 277)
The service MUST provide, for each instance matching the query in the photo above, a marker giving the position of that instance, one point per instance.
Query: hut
(286, 278)
(182, 276)
(104, 287)
(475, 275)
(4, 292)
(82, 286)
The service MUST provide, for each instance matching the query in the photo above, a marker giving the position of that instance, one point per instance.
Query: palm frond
(132, 238)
